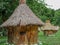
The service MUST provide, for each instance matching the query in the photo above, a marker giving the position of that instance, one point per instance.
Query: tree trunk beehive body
(23, 35)
(49, 32)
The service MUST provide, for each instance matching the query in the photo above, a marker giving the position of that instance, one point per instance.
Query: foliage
(37, 6)
(44, 13)
(57, 17)
(6, 8)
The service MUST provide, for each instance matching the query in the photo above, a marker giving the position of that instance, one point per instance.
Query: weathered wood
(23, 35)
(22, 1)
(10, 35)
(20, 35)
(32, 35)
(49, 32)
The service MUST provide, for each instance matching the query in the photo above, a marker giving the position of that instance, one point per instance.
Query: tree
(57, 17)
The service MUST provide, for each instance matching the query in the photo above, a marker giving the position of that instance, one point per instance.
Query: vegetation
(39, 8)
(50, 40)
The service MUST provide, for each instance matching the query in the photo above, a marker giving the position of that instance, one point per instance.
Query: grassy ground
(50, 40)
(3, 40)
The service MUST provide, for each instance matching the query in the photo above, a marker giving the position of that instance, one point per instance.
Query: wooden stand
(23, 35)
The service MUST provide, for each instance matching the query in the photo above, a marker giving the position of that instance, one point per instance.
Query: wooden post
(10, 35)
(46, 33)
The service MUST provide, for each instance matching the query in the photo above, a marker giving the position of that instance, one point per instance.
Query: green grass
(46, 40)
(3, 40)
(50, 40)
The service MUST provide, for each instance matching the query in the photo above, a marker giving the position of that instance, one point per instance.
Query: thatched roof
(49, 26)
(22, 16)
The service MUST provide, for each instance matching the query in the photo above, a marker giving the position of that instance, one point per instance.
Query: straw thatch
(22, 16)
(49, 26)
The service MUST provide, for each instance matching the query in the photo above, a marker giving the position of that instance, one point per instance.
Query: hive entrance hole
(22, 33)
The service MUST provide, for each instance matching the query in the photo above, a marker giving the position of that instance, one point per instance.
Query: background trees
(37, 6)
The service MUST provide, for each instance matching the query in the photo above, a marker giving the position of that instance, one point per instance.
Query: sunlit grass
(50, 40)
(3, 40)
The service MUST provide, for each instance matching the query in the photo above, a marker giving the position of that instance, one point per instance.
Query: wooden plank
(10, 35)
(32, 34)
